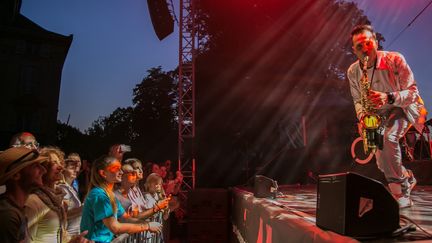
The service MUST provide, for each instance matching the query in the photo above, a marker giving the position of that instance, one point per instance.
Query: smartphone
(125, 148)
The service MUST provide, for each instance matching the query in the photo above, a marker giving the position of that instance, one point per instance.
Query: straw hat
(15, 159)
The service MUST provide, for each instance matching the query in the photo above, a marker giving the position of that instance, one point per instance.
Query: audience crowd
(53, 197)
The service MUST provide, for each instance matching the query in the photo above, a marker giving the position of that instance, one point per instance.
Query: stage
(291, 217)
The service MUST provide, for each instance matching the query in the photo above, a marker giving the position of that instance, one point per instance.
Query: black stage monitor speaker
(265, 187)
(354, 205)
(161, 18)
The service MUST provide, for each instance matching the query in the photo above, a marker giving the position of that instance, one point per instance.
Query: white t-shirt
(137, 199)
(43, 223)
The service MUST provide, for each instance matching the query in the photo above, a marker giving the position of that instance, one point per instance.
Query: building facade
(31, 63)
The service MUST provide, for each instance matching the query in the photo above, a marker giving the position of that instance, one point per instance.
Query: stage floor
(300, 202)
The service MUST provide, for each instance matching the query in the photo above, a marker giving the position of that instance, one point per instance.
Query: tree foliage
(149, 125)
(155, 114)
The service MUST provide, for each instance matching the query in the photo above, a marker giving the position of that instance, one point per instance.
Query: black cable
(173, 12)
(412, 21)
(429, 235)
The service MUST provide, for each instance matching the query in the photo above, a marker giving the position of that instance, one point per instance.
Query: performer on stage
(394, 96)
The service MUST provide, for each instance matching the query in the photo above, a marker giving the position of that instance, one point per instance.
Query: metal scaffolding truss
(186, 99)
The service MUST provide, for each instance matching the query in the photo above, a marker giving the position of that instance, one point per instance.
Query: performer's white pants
(389, 160)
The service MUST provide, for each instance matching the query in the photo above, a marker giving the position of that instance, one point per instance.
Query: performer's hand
(360, 129)
(377, 98)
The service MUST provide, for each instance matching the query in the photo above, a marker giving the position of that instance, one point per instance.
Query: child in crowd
(153, 194)
(72, 200)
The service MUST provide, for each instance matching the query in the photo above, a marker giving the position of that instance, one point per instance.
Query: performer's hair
(361, 28)
(96, 180)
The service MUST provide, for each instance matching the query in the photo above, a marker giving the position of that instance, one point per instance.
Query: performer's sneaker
(405, 202)
(412, 183)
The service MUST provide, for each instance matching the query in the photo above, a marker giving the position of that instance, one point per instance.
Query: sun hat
(15, 159)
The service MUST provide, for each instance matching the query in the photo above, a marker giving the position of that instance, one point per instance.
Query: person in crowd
(147, 170)
(394, 95)
(22, 139)
(72, 200)
(44, 208)
(102, 211)
(135, 192)
(163, 172)
(25, 139)
(77, 159)
(169, 170)
(155, 168)
(173, 186)
(84, 179)
(129, 179)
(21, 171)
(154, 193)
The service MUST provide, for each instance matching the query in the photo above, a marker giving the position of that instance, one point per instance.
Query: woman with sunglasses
(103, 215)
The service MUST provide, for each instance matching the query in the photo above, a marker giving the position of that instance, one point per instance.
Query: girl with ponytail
(102, 211)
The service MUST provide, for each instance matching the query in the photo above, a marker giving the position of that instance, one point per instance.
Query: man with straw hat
(20, 171)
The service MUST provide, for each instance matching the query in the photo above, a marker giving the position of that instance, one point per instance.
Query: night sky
(114, 45)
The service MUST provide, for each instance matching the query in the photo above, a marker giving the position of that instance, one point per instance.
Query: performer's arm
(354, 80)
(408, 92)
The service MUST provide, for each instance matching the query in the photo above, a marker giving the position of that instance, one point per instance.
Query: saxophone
(370, 122)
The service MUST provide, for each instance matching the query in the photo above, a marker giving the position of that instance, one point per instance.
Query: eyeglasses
(31, 145)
